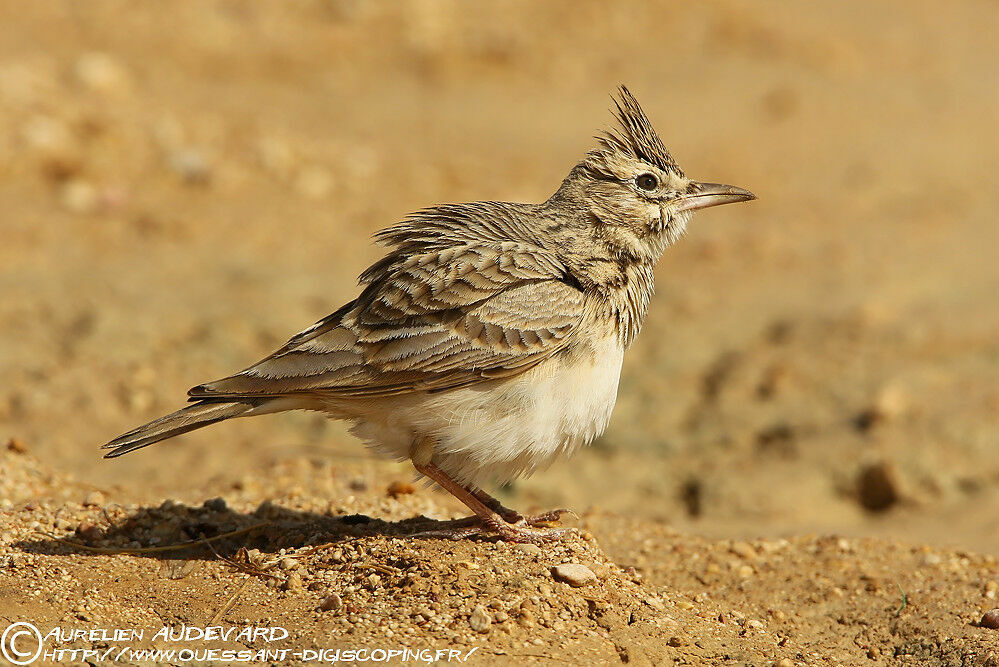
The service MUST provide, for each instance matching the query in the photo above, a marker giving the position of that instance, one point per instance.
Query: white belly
(503, 429)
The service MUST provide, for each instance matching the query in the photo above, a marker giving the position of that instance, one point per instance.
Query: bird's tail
(187, 419)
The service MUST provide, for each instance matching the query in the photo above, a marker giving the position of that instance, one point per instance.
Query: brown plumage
(487, 342)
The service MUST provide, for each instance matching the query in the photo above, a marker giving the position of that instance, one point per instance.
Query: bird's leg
(509, 515)
(492, 522)
(513, 516)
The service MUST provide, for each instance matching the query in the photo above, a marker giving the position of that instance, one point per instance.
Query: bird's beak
(703, 195)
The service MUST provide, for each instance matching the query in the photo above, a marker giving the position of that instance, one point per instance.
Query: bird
(488, 341)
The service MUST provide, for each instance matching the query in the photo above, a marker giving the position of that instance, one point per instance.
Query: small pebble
(215, 505)
(191, 165)
(574, 574)
(79, 196)
(932, 559)
(396, 489)
(529, 549)
(48, 135)
(99, 71)
(333, 602)
(480, 619)
(888, 405)
(990, 619)
(293, 584)
(287, 563)
(88, 531)
(879, 486)
(655, 603)
(94, 499)
(744, 550)
(17, 446)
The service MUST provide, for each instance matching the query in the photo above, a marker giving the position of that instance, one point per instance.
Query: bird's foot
(514, 517)
(527, 530)
(546, 518)
(491, 518)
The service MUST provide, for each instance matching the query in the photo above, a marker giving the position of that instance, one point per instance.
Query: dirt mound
(369, 573)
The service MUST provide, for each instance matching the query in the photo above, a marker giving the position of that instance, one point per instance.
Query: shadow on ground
(175, 531)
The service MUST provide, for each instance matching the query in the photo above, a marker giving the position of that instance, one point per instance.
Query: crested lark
(488, 341)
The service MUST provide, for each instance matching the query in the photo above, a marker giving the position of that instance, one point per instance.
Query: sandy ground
(803, 464)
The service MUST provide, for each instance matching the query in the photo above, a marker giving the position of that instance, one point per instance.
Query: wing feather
(430, 321)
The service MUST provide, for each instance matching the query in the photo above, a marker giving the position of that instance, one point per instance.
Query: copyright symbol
(21, 643)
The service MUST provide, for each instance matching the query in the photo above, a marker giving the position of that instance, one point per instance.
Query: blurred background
(184, 186)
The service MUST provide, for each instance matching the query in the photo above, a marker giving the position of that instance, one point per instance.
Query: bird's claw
(535, 529)
(545, 519)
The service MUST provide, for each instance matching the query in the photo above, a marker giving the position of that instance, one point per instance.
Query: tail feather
(186, 419)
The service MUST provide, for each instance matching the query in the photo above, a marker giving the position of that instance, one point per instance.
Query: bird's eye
(647, 182)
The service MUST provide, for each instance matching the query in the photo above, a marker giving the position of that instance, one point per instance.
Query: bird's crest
(636, 136)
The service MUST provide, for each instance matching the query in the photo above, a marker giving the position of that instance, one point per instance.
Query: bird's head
(636, 198)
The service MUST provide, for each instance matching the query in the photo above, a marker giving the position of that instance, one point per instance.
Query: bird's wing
(429, 322)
